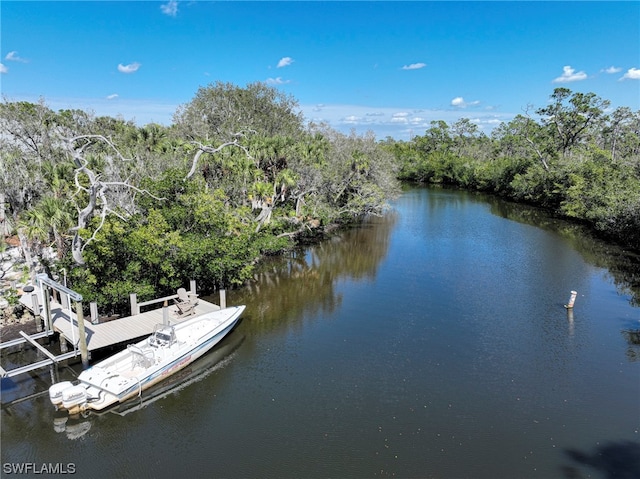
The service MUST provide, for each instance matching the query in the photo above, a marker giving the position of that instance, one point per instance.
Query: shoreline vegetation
(239, 175)
(576, 158)
(121, 209)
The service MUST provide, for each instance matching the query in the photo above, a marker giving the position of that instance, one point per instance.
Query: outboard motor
(55, 392)
(74, 397)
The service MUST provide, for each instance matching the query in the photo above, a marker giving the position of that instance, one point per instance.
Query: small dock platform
(121, 330)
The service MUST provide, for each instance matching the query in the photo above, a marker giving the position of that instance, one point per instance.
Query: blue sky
(389, 67)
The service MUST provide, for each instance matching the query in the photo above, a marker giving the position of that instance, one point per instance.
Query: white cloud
(570, 75)
(612, 69)
(414, 66)
(351, 119)
(3, 69)
(130, 68)
(13, 57)
(400, 117)
(285, 62)
(398, 122)
(277, 81)
(170, 8)
(460, 103)
(632, 74)
(113, 96)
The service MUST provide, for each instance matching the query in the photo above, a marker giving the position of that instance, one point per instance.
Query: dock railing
(135, 306)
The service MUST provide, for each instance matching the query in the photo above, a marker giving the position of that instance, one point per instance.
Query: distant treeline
(575, 158)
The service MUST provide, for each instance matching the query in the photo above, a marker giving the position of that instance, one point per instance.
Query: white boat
(126, 374)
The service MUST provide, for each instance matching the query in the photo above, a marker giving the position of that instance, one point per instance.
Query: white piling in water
(572, 300)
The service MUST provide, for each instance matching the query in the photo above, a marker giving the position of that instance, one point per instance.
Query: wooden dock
(120, 330)
(61, 319)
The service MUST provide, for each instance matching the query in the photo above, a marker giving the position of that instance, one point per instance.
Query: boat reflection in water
(77, 425)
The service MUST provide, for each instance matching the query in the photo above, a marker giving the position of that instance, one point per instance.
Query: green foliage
(576, 161)
(12, 297)
(221, 110)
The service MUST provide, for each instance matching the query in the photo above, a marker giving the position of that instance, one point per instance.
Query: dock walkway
(99, 335)
(120, 330)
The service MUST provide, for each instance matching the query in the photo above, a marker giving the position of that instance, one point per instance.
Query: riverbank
(606, 201)
(14, 317)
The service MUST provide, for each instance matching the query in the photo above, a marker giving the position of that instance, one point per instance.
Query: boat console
(162, 336)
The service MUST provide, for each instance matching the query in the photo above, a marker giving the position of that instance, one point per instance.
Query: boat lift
(45, 283)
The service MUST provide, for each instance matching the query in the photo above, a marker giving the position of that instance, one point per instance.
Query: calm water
(432, 342)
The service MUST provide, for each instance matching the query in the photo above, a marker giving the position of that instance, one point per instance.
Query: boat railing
(141, 358)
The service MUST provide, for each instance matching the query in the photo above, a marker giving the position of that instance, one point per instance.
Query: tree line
(121, 208)
(575, 157)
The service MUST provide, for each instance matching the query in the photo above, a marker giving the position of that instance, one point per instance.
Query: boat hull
(128, 373)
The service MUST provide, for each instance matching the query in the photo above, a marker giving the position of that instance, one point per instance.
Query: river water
(431, 342)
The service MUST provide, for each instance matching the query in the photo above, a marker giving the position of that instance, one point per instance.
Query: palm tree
(47, 224)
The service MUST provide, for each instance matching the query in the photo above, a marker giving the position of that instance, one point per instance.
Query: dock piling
(93, 307)
(46, 311)
(134, 304)
(223, 298)
(84, 353)
(36, 312)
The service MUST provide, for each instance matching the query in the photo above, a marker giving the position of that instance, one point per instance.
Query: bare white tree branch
(208, 149)
(98, 199)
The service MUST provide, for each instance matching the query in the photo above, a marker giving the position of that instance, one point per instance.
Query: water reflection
(623, 266)
(632, 336)
(619, 460)
(303, 282)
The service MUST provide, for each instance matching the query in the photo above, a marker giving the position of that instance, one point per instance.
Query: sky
(388, 67)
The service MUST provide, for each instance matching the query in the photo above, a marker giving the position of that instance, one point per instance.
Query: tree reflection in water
(620, 460)
(303, 281)
(623, 266)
